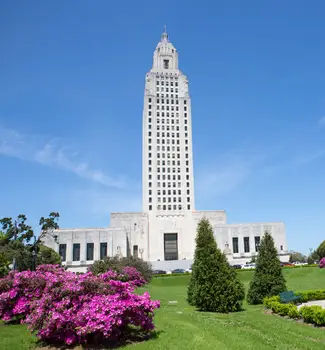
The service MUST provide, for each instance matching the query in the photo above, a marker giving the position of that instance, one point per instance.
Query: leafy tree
(268, 279)
(313, 257)
(4, 265)
(117, 264)
(297, 257)
(320, 251)
(46, 255)
(50, 223)
(15, 230)
(15, 237)
(214, 285)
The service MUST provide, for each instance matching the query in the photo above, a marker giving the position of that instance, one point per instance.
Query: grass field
(179, 326)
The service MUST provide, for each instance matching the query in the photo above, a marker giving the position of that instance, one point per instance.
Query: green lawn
(179, 326)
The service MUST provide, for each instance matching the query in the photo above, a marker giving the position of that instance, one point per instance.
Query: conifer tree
(268, 279)
(214, 285)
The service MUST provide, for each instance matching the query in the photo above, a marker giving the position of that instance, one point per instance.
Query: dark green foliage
(15, 229)
(307, 295)
(310, 314)
(15, 237)
(4, 265)
(214, 285)
(49, 223)
(268, 279)
(117, 265)
(320, 251)
(46, 255)
(297, 257)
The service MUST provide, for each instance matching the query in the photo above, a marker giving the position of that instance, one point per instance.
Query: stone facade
(164, 232)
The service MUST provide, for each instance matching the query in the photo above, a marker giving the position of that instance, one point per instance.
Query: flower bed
(310, 314)
(63, 307)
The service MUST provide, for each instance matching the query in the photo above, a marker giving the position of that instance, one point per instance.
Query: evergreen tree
(268, 279)
(320, 251)
(214, 285)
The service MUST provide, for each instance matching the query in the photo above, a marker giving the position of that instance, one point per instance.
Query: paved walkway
(313, 302)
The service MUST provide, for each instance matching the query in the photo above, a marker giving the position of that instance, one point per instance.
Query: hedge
(310, 314)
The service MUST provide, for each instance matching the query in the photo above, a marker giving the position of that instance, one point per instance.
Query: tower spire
(164, 35)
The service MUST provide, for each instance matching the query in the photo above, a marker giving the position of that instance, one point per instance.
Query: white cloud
(51, 153)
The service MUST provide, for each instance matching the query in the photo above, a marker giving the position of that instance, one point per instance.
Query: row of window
(162, 89)
(169, 192)
(168, 76)
(235, 247)
(169, 184)
(168, 121)
(167, 83)
(76, 251)
(171, 170)
(170, 207)
(163, 101)
(161, 95)
(172, 115)
(169, 199)
(169, 149)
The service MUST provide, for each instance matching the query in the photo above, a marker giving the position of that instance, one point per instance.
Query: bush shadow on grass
(132, 337)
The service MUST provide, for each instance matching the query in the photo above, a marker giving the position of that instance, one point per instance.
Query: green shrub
(269, 300)
(117, 264)
(293, 311)
(320, 251)
(311, 314)
(4, 265)
(268, 279)
(47, 256)
(214, 285)
(319, 316)
(308, 312)
(312, 295)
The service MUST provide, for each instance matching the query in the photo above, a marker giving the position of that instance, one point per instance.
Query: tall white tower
(167, 160)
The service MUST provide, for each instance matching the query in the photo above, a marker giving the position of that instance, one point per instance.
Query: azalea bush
(63, 307)
(322, 263)
(119, 263)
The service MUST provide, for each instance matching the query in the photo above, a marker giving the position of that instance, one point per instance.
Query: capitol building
(164, 232)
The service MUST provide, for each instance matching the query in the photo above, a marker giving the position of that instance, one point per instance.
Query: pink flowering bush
(322, 263)
(62, 307)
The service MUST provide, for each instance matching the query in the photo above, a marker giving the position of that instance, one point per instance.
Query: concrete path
(313, 302)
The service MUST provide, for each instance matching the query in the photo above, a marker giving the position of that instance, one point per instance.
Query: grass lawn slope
(179, 326)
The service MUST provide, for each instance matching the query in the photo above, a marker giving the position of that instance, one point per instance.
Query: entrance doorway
(170, 246)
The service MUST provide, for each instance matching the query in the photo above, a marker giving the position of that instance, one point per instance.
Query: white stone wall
(114, 237)
(224, 237)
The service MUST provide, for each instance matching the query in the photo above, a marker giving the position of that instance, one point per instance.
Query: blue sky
(71, 98)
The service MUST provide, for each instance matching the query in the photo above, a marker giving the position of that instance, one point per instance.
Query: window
(76, 252)
(170, 246)
(135, 251)
(257, 243)
(103, 250)
(246, 244)
(166, 64)
(63, 251)
(235, 245)
(90, 251)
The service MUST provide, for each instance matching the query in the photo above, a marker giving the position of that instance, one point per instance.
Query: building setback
(164, 232)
